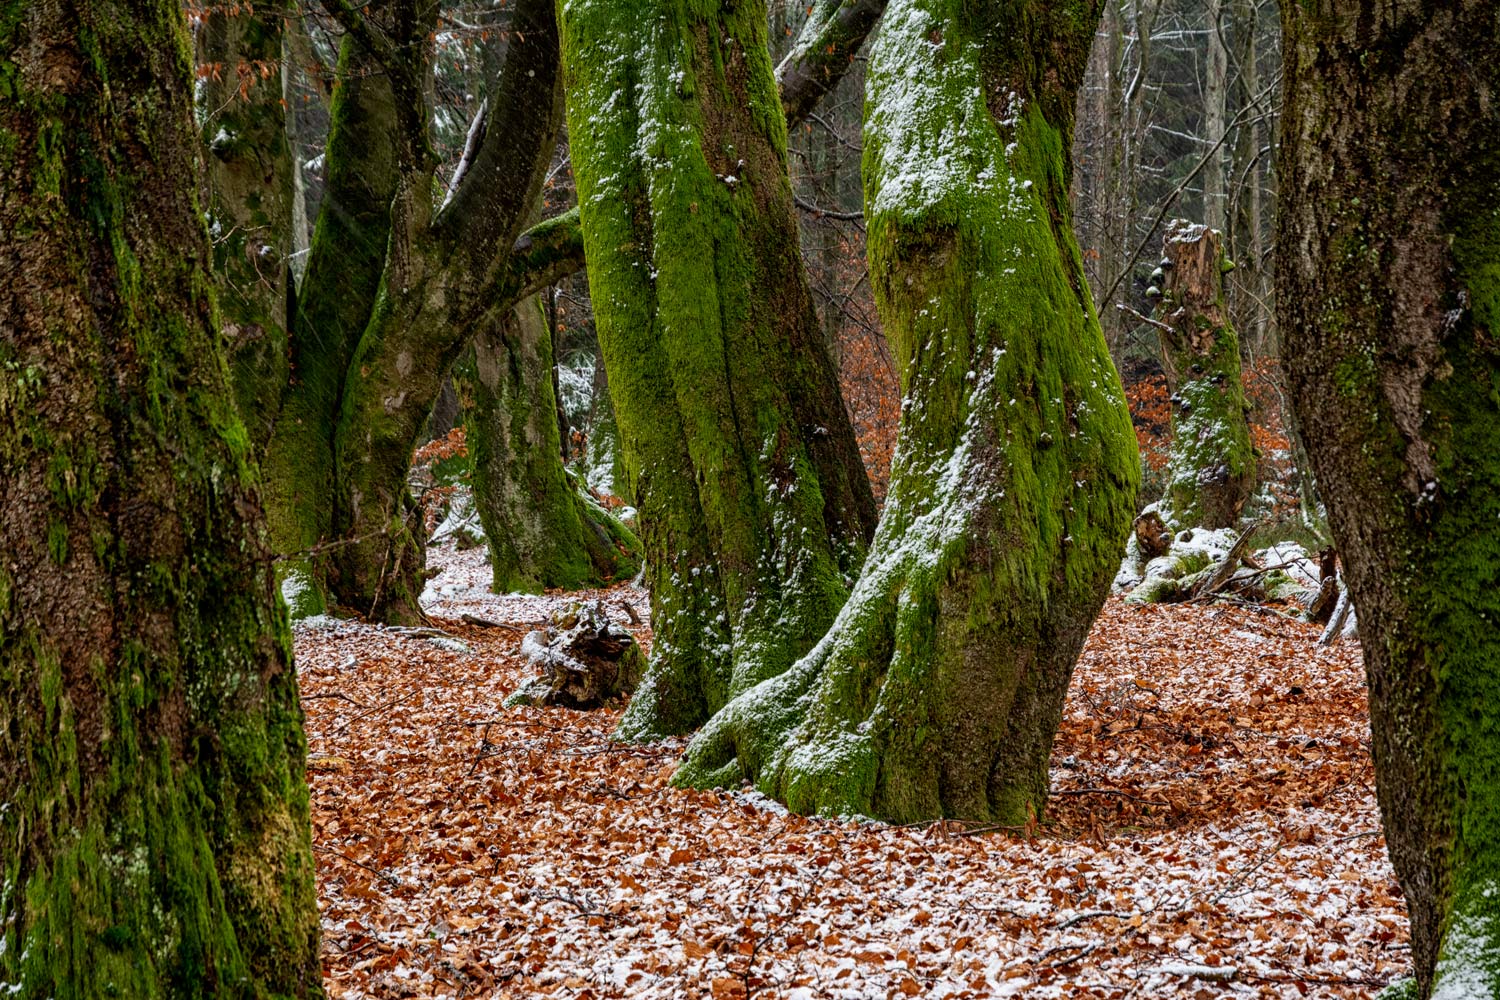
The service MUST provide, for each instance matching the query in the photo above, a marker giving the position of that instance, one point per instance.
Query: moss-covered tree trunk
(1388, 294)
(938, 690)
(249, 174)
(337, 295)
(542, 531)
(1212, 469)
(155, 817)
(753, 503)
(445, 270)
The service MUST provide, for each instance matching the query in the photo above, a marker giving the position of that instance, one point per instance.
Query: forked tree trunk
(338, 293)
(754, 505)
(542, 531)
(1388, 293)
(938, 690)
(249, 173)
(1212, 469)
(155, 817)
(443, 275)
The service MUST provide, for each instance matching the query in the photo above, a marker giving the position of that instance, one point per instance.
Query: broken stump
(584, 660)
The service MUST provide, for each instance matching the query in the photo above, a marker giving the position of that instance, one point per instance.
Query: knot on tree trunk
(584, 660)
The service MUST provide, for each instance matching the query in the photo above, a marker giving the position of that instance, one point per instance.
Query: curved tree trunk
(249, 199)
(444, 273)
(1388, 293)
(338, 293)
(155, 815)
(754, 505)
(1212, 470)
(938, 690)
(541, 531)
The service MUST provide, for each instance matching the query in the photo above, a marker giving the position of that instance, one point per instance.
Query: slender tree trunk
(249, 196)
(155, 815)
(1215, 108)
(754, 504)
(1212, 471)
(542, 531)
(338, 293)
(938, 690)
(1388, 284)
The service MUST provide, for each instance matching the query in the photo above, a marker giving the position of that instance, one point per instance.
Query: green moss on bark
(542, 532)
(1388, 313)
(336, 298)
(1212, 470)
(938, 689)
(151, 752)
(752, 500)
(248, 198)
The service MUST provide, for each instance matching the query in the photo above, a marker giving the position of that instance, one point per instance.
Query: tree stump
(585, 660)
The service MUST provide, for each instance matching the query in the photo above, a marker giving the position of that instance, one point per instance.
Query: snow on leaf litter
(1212, 832)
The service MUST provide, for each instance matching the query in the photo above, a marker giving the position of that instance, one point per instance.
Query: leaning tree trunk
(542, 531)
(249, 173)
(1388, 292)
(155, 817)
(337, 294)
(753, 502)
(1212, 469)
(938, 690)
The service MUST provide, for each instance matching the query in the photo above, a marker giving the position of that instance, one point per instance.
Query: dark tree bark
(754, 504)
(938, 690)
(1212, 470)
(542, 531)
(834, 33)
(1388, 293)
(151, 750)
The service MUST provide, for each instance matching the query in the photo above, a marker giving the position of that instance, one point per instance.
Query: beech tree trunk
(1388, 295)
(542, 531)
(338, 293)
(1212, 470)
(445, 271)
(155, 815)
(939, 688)
(249, 196)
(753, 502)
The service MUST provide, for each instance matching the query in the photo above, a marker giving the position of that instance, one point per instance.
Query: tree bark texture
(337, 295)
(1212, 469)
(151, 749)
(938, 690)
(753, 502)
(443, 273)
(1388, 294)
(249, 173)
(542, 530)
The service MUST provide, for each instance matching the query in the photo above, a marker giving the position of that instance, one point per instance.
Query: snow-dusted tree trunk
(154, 838)
(939, 688)
(1212, 470)
(1388, 293)
(753, 502)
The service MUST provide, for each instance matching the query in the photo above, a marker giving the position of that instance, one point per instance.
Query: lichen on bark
(938, 689)
(753, 503)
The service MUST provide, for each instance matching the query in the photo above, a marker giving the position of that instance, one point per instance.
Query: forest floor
(1213, 832)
